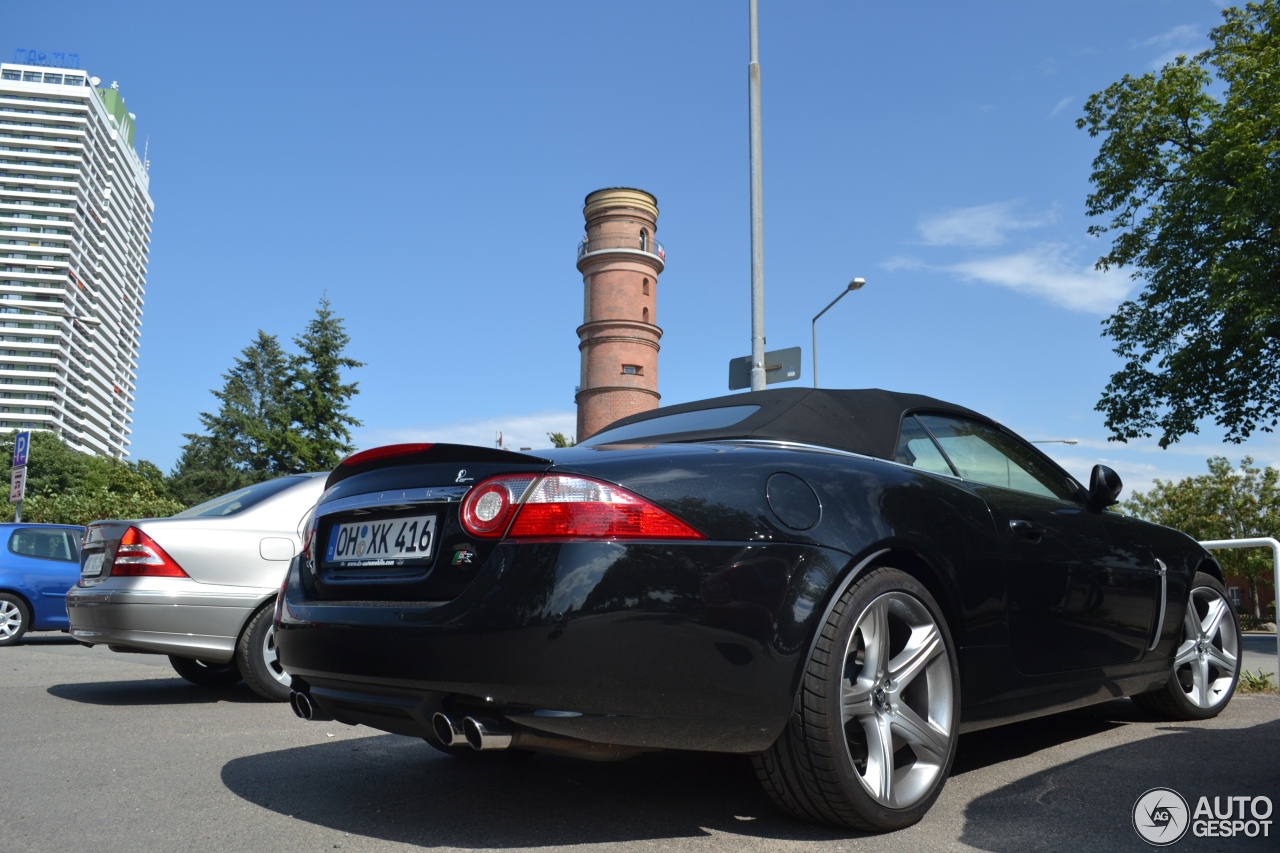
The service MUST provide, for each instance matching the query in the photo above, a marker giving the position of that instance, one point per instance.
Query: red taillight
(387, 451)
(488, 507)
(139, 556)
(563, 507)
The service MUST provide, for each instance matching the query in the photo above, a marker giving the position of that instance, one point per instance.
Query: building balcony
(648, 246)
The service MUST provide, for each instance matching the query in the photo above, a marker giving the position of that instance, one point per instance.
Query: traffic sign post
(18, 481)
(21, 446)
(18, 487)
(781, 365)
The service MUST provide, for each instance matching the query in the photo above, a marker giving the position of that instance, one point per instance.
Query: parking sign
(21, 444)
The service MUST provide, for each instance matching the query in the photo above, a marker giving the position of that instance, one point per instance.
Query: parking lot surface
(112, 752)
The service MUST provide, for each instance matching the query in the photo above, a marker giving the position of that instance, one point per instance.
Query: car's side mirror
(1104, 487)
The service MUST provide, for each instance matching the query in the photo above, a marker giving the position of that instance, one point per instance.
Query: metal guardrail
(1261, 542)
(648, 246)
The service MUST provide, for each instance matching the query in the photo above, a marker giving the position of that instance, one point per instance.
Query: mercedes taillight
(139, 556)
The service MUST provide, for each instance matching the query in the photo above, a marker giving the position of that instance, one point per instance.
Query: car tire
(1206, 664)
(258, 660)
(874, 730)
(206, 673)
(14, 619)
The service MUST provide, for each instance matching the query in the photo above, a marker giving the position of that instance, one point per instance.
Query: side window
(916, 448)
(46, 544)
(985, 454)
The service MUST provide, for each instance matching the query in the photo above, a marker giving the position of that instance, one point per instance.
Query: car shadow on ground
(401, 789)
(47, 639)
(153, 691)
(984, 748)
(1088, 804)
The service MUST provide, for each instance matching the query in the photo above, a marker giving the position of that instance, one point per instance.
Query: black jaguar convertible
(836, 582)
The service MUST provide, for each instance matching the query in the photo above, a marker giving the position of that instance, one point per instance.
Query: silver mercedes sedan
(198, 586)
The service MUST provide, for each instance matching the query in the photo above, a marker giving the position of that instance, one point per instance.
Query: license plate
(93, 565)
(382, 543)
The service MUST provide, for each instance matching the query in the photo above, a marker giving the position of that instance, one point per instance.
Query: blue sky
(424, 164)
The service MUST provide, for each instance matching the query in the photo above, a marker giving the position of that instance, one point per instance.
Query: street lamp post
(856, 284)
(757, 211)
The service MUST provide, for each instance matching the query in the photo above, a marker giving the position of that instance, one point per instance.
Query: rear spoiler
(413, 454)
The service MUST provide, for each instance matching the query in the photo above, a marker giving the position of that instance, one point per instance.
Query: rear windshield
(242, 499)
(695, 421)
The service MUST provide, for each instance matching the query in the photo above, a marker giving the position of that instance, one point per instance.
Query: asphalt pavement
(112, 752)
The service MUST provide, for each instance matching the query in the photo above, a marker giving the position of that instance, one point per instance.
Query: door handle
(1028, 529)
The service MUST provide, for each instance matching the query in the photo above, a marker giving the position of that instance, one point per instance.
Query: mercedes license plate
(382, 543)
(93, 564)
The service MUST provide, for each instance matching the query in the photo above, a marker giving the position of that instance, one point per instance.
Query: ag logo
(1160, 816)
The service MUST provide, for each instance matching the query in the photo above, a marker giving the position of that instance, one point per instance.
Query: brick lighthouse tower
(620, 262)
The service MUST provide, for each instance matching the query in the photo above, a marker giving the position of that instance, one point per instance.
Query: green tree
(65, 486)
(320, 400)
(559, 439)
(1187, 179)
(278, 414)
(247, 440)
(1226, 503)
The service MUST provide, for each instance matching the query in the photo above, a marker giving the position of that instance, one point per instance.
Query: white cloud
(1179, 36)
(982, 225)
(1046, 270)
(1062, 105)
(517, 431)
(1182, 40)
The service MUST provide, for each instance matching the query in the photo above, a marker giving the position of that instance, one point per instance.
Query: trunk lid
(388, 528)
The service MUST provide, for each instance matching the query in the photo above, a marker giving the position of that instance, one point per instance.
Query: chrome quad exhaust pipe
(448, 731)
(305, 709)
(486, 733)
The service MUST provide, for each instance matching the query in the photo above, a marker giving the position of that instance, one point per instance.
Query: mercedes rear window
(242, 499)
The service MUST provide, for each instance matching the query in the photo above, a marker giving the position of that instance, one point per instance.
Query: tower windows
(645, 288)
(645, 315)
(644, 240)
(632, 370)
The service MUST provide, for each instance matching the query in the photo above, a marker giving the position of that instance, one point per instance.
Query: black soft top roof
(862, 421)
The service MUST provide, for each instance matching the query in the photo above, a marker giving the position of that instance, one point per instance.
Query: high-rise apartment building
(75, 229)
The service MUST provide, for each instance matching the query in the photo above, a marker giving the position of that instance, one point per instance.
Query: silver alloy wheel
(1205, 665)
(10, 619)
(897, 702)
(271, 658)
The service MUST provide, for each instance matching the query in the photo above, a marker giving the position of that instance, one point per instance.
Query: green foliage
(1187, 179)
(65, 486)
(278, 414)
(1259, 682)
(559, 439)
(319, 399)
(1226, 503)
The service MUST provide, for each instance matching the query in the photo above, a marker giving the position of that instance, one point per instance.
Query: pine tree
(246, 441)
(278, 414)
(320, 399)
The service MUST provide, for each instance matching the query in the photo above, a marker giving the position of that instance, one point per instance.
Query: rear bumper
(167, 616)
(689, 646)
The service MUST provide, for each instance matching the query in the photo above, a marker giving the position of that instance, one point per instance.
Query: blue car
(38, 564)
